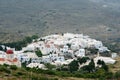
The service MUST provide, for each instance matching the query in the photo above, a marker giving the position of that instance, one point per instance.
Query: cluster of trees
(83, 60)
(74, 65)
(100, 73)
(90, 68)
(103, 65)
(18, 45)
(87, 71)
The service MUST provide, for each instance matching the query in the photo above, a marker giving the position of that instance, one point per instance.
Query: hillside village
(57, 49)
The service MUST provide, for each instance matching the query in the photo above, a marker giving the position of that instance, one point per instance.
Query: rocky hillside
(96, 18)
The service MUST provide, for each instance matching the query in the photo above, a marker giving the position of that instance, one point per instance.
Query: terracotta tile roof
(15, 60)
(2, 59)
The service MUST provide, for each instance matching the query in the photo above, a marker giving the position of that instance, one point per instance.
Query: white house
(26, 56)
(46, 59)
(60, 58)
(74, 46)
(38, 65)
(36, 60)
(114, 55)
(64, 49)
(2, 54)
(107, 60)
(81, 53)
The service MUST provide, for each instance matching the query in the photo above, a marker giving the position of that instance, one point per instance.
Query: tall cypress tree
(92, 66)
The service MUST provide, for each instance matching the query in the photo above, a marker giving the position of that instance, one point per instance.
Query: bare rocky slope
(99, 19)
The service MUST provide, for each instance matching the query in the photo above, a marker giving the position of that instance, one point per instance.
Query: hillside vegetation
(13, 73)
(96, 18)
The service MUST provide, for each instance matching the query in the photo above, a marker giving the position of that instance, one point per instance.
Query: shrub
(50, 72)
(6, 65)
(13, 67)
(105, 67)
(100, 72)
(55, 79)
(2, 68)
(117, 75)
(73, 66)
(7, 71)
(19, 73)
(109, 75)
(78, 75)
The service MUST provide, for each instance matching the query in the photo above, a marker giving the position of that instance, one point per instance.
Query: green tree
(30, 61)
(1, 48)
(89, 68)
(69, 45)
(13, 67)
(117, 75)
(86, 68)
(92, 65)
(28, 39)
(24, 64)
(83, 60)
(105, 67)
(38, 53)
(5, 49)
(34, 37)
(102, 62)
(99, 62)
(73, 66)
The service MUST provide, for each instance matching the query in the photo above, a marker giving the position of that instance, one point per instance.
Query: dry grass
(115, 67)
(73, 78)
